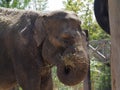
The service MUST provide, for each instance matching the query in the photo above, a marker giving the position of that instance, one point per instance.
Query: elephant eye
(67, 41)
(67, 38)
(57, 42)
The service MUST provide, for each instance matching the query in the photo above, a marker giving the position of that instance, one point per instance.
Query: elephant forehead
(72, 16)
(63, 15)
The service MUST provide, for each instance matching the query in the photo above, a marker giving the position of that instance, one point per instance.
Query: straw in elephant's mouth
(72, 59)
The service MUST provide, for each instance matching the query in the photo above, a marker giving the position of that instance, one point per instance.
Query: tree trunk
(114, 16)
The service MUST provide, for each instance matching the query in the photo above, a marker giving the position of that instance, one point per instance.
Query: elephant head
(63, 45)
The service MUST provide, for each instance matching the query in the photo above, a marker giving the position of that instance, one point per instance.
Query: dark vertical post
(87, 82)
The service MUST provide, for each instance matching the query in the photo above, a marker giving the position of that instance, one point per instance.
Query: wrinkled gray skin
(30, 42)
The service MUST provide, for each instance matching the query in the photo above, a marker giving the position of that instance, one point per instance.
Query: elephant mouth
(74, 69)
(67, 69)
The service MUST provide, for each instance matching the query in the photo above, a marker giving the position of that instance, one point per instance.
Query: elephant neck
(45, 64)
(45, 69)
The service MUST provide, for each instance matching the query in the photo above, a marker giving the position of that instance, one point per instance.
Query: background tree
(38, 5)
(84, 8)
(24, 4)
(21, 4)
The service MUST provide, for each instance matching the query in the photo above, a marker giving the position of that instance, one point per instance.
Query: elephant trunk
(74, 68)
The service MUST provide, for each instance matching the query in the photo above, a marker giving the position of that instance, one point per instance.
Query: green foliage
(84, 8)
(20, 88)
(4, 3)
(73, 5)
(21, 4)
(100, 76)
(41, 5)
(38, 5)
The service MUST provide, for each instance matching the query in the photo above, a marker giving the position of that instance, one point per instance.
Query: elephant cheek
(49, 53)
(46, 54)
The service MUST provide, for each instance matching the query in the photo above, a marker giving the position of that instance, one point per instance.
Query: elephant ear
(40, 32)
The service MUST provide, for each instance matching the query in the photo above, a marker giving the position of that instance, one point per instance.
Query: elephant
(32, 42)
